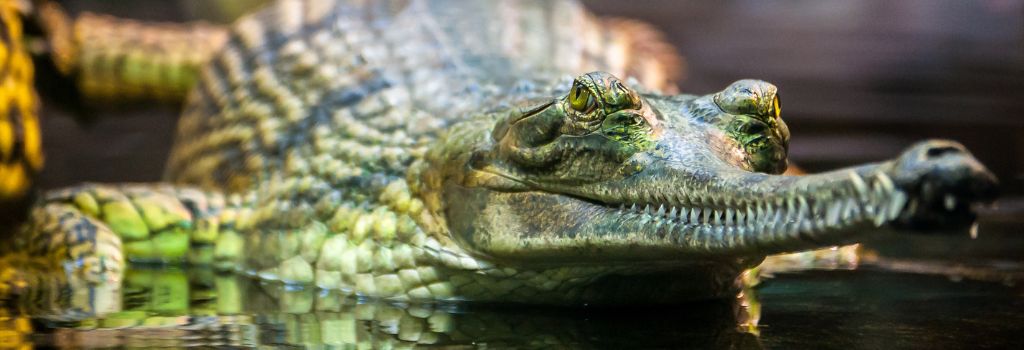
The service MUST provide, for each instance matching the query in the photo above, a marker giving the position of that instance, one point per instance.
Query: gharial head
(605, 173)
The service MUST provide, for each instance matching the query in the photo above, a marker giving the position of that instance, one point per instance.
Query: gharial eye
(580, 98)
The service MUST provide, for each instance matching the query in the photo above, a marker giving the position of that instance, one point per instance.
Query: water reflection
(199, 307)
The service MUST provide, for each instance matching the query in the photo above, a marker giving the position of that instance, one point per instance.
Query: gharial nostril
(938, 151)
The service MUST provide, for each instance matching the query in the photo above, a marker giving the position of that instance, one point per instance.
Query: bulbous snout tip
(945, 183)
(949, 166)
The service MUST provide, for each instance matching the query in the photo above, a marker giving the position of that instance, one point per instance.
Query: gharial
(443, 151)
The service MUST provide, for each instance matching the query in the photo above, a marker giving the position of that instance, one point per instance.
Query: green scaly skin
(417, 157)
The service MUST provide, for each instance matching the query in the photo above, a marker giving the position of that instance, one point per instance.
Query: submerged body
(443, 151)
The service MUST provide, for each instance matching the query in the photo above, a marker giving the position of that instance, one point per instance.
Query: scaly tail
(20, 152)
(93, 229)
(114, 58)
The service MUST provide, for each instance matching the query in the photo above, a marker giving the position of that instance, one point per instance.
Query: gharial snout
(944, 184)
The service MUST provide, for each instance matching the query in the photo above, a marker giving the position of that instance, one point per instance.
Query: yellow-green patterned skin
(292, 152)
(97, 227)
(114, 59)
(21, 154)
(317, 117)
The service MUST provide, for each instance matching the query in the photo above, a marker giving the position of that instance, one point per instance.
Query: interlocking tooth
(720, 232)
(728, 216)
(806, 215)
(766, 216)
(806, 226)
(679, 199)
(633, 208)
(832, 213)
(735, 240)
(706, 213)
(790, 208)
(869, 209)
(779, 208)
(851, 210)
(717, 217)
(657, 221)
(656, 197)
(818, 209)
(803, 213)
(779, 220)
(752, 222)
(899, 198)
(767, 226)
(911, 207)
(793, 227)
(760, 217)
(886, 182)
(949, 201)
(661, 210)
(672, 212)
(644, 219)
(741, 217)
(878, 191)
(741, 235)
(694, 215)
(880, 216)
(859, 185)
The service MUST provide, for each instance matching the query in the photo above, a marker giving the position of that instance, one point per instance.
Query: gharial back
(314, 102)
(364, 82)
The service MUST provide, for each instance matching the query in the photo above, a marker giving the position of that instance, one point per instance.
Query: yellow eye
(580, 99)
(777, 107)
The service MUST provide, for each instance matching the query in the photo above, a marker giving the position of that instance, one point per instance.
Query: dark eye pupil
(755, 128)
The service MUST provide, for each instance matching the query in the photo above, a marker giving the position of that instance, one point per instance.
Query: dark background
(859, 80)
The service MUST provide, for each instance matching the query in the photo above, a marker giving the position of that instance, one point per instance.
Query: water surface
(863, 309)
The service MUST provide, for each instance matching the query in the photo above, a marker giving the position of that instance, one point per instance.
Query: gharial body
(452, 150)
